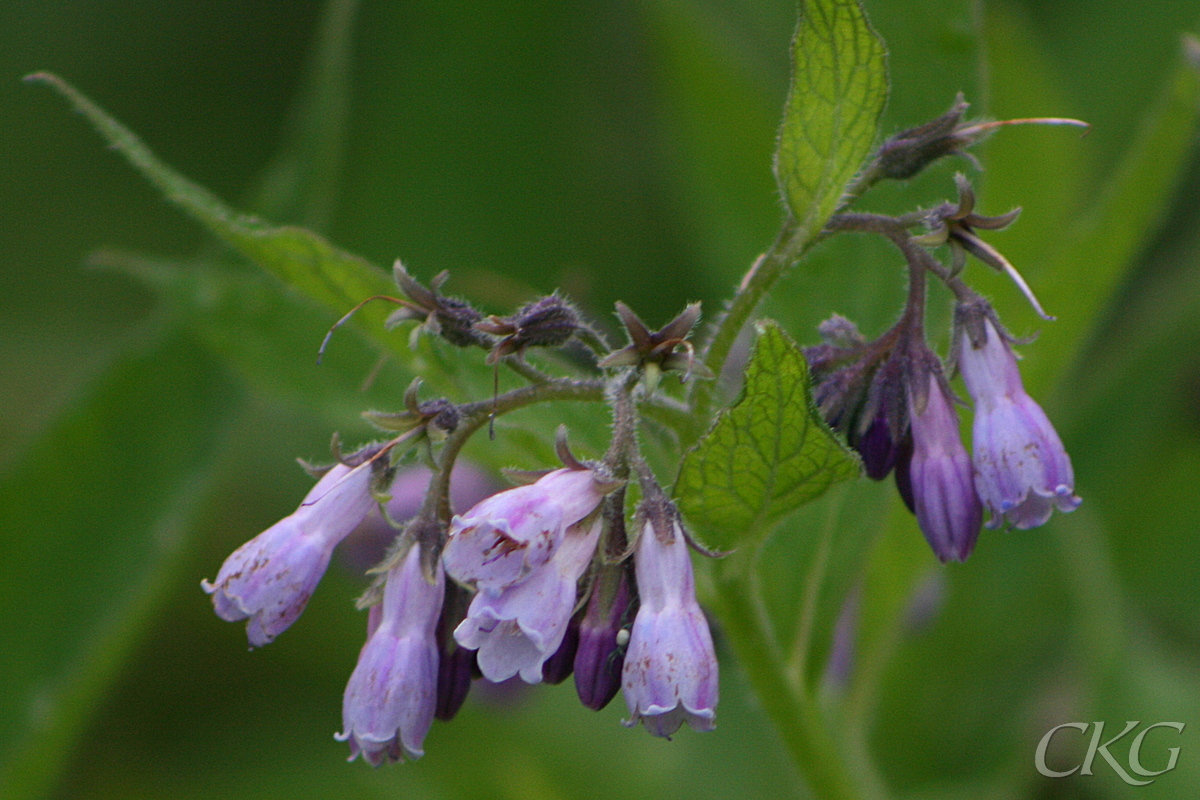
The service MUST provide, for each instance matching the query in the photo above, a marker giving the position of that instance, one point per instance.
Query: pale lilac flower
(670, 673)
(270, 578)
(507, 537)
(1022, 471)
(940, 475)
(391, 696)
(517, 629)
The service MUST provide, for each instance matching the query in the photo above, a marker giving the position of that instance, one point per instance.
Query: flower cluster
(891, 399)
(542, 581)
(547, 601)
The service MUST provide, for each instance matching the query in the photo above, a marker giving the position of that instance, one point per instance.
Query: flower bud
(940, 474)
(453, 319)
(546, 322)
(269, 579)
(392, 693)
(600, 656)
(909, 152)
(456, 667)
(558, 667)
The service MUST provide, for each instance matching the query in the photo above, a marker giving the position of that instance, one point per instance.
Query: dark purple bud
(908, 152)
(453, 319)
(559, 666)
(457, 664)
(546, 322)
(877, 449)
(456, 321)
(601, 653)
(903, 473)
(454, 681)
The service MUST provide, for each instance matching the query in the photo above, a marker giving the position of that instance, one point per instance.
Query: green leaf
(269, 336)
(839, 87)
(94, 515)
(300, 258)
(766, 455)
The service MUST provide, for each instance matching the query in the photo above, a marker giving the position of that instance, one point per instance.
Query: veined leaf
(839, 86)
(766, 455)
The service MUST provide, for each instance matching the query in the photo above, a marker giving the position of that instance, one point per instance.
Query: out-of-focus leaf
(1039, 168)
(258, 328)
(301, 183)
(896, 563)
(298, 257)
(839, 86)
(93, 517)
(1094, 256)
(766, 455)
(270, 336)
(721, 84)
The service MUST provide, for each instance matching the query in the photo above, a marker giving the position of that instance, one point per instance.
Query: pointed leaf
(766, 455)
(300, 258)
(839, 86)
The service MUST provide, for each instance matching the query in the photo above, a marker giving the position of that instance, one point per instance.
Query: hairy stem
(789, 247)
(816, 753)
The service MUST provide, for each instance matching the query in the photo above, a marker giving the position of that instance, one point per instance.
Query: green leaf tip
(839, 87)
(766, 455)
(303, 260)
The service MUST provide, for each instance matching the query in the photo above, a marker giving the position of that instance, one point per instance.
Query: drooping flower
(269, 579)
(670, 672)
(939, 474)
(507, 537)
(393, 691)
(517, 629)
(1022, 471)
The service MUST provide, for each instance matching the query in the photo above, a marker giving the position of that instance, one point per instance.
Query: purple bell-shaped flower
(1022, 472)
(517, 629)
(939, 474)
(670, 672)
(393, 691)
(269, 579)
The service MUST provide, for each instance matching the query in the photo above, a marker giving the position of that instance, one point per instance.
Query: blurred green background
(619, 150)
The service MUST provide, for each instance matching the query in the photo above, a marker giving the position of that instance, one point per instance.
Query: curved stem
(816, 753)
(789, 246)
(528, 371)
(473, 416)
(762, 275)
